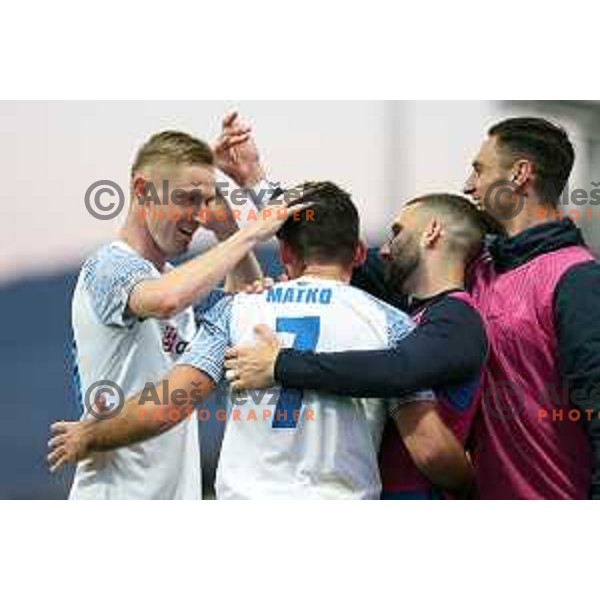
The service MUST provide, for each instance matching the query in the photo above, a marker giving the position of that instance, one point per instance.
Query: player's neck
(436, 278)
(136, 235)
(333, 272)
(533, 214)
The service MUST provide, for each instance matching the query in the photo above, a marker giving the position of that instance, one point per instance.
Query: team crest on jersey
(171, 342)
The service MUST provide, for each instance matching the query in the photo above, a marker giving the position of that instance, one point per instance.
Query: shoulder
(114, 251)
(114, 260)
(581, 273)
(542, 275)
(458, 308)
(455, 304)
(455, 318)
(219, 314)
(579, 282)
(109, 276)
(398, 323)
(377, 303)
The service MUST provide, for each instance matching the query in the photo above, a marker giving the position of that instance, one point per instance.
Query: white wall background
(384, 152)
(52, 151)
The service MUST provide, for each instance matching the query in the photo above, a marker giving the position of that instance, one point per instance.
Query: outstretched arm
(171, 401)
(186, 284)
(183, 286)
(138, 420)
(236, 154)
(448, 347)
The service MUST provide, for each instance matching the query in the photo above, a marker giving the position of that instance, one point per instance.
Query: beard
(403, 262)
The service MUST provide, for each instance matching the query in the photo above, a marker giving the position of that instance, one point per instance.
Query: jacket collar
(512, 252)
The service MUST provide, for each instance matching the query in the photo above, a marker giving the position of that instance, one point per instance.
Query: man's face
(402, 253)
(190, 189)
(490, 169)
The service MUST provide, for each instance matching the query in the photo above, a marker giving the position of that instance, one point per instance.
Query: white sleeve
(109, 278)
(207, 350)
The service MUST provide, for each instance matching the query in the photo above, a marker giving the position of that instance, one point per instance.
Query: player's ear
(286, 256)
(522, 172)
(432, 234)
(360, 254)
(138, 186)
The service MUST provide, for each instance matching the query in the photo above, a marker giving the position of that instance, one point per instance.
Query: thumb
(266, 335)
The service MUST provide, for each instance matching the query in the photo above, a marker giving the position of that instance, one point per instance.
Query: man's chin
(175, 250)
(394, 285)
(183, 245)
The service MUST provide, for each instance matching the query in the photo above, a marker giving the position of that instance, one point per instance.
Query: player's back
(288, 443)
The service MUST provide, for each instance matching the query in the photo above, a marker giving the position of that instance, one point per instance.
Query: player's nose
(469, 186)
(384, 251)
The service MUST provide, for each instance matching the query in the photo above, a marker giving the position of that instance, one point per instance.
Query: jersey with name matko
(293, 443)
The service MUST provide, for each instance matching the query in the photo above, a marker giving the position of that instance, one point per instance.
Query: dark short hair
(546, 145)
(469, 225)
(333, 232)
(461, 208)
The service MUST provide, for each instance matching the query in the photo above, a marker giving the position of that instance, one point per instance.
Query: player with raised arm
(307, 445)
(132, 312)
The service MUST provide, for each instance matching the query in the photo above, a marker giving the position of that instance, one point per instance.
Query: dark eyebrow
(197, 195)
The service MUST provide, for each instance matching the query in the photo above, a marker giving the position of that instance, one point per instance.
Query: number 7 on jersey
(289, 404)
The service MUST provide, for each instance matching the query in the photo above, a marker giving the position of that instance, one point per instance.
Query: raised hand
(271, 219)
(282, 207)
(236, 152)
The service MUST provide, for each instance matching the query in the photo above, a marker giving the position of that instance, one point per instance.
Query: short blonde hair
(172, 147)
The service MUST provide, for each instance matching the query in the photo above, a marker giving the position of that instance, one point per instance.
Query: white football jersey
(284, 443)
(112, 345)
